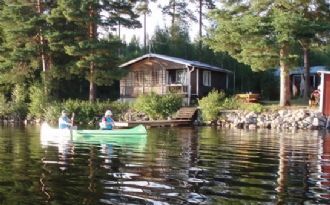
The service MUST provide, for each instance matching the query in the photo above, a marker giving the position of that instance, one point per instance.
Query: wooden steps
(186, 113)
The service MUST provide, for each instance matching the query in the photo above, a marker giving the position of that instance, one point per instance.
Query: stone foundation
(283, 119)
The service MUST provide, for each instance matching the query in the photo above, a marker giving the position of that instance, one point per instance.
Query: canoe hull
(48, 133)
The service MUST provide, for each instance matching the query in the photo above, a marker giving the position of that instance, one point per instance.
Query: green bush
(210, 105)
(158, 106)
(254, 107)
(85, 111)
(18, 105)
(230, 103)
(52, 112)
(4, 107)
(38, 101)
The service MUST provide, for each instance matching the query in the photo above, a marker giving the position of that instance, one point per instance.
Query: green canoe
(135, 131)
(49, 134)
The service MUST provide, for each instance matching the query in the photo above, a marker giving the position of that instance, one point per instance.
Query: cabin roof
(176, 60)
(300, 70)
(313, 70)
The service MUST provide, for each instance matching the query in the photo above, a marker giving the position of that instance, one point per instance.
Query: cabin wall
(193, 80)
(218, 82)
(148, 75)
(326, 95)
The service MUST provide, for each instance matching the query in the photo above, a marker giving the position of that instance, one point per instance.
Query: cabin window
(138, 78)
(176, 76)
(180, 77)
(155, 77)
(206, 78)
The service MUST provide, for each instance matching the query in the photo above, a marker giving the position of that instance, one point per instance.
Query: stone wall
(282, 119)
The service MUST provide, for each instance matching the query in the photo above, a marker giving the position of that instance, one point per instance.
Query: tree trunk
(42, 40)
(173, 15)
(92, 34)
(285, 79)
(145, 32)
(306, 73)
(200, 27)
(92, 87)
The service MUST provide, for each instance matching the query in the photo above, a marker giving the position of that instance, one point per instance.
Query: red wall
(326, 95)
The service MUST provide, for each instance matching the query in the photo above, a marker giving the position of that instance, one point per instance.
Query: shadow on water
(181, 165)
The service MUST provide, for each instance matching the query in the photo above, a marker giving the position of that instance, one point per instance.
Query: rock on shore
(282, 119)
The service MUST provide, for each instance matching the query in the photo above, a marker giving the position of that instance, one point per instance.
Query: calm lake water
(170, 166)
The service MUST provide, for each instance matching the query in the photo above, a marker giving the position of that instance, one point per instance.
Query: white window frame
(207, 78)
(180, 77)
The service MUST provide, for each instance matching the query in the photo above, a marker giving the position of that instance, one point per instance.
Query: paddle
(72, 120)
(71, 127)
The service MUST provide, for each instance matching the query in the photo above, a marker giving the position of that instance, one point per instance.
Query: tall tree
(122, 13)
(20, 53)
(311, 29)
(96, 57)
(178, 12)
(259, 34)
(201, 4)
(144, 9)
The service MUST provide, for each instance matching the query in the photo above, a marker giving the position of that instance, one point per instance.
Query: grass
(297, 103)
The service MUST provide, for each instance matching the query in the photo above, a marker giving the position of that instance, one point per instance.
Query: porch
(158, 81)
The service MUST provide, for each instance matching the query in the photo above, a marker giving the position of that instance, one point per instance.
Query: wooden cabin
(325, 93)
(297, 79)
(164, 74)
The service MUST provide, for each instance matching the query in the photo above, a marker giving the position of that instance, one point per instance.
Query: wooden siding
(150, 75)
(326, 95)
(218, 81)
(193, 82)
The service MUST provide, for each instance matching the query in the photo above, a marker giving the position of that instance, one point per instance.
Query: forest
(71, 49)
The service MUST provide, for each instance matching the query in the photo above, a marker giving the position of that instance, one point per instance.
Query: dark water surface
(169, 166)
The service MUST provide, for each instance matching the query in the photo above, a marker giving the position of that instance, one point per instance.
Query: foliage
(18, 105)
(85, 111)
(38, 101)
(210, 105)
(95, 58)
(19, 53)
(253, 107)
(4, 108)
(158, 106)
(230, 103)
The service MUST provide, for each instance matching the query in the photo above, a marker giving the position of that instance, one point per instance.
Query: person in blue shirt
(64, 122)
(107, 122)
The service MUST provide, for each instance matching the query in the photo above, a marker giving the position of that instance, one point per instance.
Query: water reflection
(170, 166)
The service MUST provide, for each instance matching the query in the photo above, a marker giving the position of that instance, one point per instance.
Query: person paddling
(63, 121)
(107, 122)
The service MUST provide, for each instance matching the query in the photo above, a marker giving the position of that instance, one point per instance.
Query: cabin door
(326, 95)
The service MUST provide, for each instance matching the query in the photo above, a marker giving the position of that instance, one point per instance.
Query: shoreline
(290, 119)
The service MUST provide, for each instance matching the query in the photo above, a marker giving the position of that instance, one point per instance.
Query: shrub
(4, 108)
(158, 106)
(211, 104)
(52, 112)
(85, 111)
(18, 106)
(254, 107)
(37, 101)
(230, 103)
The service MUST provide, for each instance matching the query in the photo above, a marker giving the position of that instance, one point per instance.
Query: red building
(325, 93)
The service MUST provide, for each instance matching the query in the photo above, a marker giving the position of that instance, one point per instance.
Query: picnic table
(248, 97)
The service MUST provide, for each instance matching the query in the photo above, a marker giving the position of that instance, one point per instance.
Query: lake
(181, 165)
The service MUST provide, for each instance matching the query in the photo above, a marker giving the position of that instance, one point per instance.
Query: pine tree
(311, 28)
(179, 12)
(207, 5)
(143, 8)
(257, 33)
(21, 51)
(95, 57)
